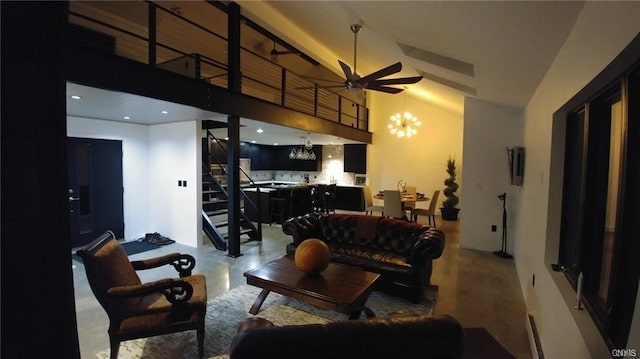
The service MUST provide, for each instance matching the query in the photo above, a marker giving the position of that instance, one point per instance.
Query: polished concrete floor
(477, 288)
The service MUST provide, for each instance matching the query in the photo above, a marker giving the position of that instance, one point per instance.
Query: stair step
(215, 201)
(226, 223)
(243, 231)
(217, 212)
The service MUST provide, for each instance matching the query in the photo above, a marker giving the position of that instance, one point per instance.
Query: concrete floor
(477, 288)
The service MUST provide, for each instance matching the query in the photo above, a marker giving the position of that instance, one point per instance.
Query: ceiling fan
(373, 81)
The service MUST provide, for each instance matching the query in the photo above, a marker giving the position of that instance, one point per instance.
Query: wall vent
(534, 339)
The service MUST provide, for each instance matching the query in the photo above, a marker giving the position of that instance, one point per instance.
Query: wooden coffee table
(341, 288)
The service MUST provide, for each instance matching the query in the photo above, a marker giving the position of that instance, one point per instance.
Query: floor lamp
(503, 252)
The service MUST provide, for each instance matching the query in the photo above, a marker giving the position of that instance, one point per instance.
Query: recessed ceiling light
(254, 141)
(76, 97)
(259, 130)
(164, 112)
(275, 144)
(127, 117)
(226, 138)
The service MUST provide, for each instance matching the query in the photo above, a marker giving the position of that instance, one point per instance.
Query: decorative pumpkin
(312, 256)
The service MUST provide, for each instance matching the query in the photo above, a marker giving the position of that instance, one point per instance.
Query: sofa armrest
(302, 227)
(429, 246)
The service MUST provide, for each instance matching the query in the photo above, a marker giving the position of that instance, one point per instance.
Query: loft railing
(195, 45)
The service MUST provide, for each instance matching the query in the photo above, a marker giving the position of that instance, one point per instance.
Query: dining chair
(329, 198)
(430, 213)
(317, 197)
(368, 202)
(393, 204)
(409, 206)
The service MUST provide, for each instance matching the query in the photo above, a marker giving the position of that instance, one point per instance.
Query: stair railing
(257, 205)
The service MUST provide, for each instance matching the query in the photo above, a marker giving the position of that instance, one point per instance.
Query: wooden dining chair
(409, 206)
(369, 208)
(393, 204)
(430, 213)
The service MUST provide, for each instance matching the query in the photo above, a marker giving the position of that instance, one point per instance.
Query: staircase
(215, 208)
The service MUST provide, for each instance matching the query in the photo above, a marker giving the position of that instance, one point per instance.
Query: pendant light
(404, 124)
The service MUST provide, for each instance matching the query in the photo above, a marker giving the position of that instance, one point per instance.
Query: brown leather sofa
(401, 252)
(423, 336)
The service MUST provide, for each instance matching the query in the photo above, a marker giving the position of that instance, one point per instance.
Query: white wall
(135, 152)
(154, 159)
(420, 160)
(488, 130)
(601, 31)
(175, 155)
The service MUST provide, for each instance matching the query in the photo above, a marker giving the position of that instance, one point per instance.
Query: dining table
(405, 197)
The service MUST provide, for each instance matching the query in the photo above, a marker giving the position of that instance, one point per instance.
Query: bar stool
(278, 205)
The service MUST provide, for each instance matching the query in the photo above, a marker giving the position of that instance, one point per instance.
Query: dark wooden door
(95, 188)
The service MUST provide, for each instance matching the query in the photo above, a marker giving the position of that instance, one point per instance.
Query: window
(601, 203)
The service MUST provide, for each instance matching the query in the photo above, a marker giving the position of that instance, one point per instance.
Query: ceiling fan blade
(397, 81)
(319, 87)
(391, 69)
(391, 90)
(347, 71)
(321, 79)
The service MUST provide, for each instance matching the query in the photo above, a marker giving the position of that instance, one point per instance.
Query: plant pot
(449, 214)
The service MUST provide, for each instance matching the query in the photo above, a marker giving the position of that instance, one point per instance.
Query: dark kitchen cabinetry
(280, 160)
(260, 156)
(355, 158)
(267, 158)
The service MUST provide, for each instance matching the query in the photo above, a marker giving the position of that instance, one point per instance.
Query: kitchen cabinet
(355, 158)
(281, 162)
(268, 158)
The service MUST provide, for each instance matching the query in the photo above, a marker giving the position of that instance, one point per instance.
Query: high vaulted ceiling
(497, 51)
(491, 50)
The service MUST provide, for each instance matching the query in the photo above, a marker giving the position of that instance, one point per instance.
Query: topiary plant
(450, 185)
(449, 212)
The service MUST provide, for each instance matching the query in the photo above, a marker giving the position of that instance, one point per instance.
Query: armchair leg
(115, 347)
(200, 337)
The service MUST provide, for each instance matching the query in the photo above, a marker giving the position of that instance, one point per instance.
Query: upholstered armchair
(137, 309)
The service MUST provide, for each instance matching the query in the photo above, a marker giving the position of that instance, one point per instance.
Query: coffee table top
(339, 287)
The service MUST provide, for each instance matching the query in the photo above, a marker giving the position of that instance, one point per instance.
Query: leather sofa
(402, 337)
(400, 251)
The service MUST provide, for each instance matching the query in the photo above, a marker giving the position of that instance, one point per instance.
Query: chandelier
(404, 124)
(304, 152)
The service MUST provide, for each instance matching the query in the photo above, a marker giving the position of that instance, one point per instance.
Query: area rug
(227, 311)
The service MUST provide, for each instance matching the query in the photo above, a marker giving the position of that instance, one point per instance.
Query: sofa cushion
(368, 254)
(390, 234)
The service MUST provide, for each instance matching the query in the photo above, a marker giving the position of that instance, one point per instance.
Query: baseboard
(534, 338)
